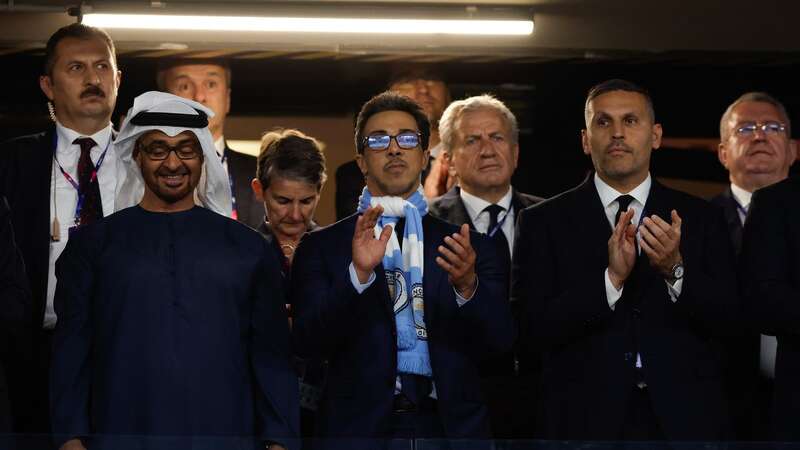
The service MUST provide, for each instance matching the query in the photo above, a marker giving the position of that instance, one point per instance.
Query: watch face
(677, 272)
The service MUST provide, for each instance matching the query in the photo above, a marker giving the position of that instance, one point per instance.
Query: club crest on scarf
(403, 267)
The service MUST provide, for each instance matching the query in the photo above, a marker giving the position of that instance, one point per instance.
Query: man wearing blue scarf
(403, 305)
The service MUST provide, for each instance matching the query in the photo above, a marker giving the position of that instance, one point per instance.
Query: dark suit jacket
(730, 210)
(770, 276)
(589, 354)
(743, 351)
(14, 314)
(357, 333)
(508, 395)
(242, 168)
(26, 165)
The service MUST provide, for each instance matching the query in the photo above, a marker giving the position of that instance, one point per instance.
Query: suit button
(637, 312)
(628, 356)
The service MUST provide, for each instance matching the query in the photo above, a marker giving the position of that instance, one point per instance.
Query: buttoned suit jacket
(509, 396)
(770, 278)
(242, 169)
(357, 333)
(589, 349)
(743, 350)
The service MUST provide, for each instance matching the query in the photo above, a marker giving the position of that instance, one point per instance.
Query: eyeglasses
(768, 128)
(159, 151)
(405, 140)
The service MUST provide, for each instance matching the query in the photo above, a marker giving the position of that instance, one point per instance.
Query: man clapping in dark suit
(627, 286)
(403, 305)
(480, 137)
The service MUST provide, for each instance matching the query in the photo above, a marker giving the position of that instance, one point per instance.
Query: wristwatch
(676, 272)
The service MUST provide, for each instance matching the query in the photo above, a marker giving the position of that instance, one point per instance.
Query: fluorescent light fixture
(310, 25)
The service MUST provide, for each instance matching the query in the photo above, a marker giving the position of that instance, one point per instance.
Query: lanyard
(500, 223)
(81, 193)
(234, 214)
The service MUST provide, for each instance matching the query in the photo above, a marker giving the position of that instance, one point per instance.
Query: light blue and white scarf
(404, 271)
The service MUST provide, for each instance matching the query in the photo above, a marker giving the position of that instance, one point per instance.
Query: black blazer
(770, 276)
(14, 316)
(743, 351)
(588, 366)
(242, 168)
(357, 333)
(730, 210)
(26, 165)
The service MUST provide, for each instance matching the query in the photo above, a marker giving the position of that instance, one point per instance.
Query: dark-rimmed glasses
(159, 151)
(405, 140)
(768, 128)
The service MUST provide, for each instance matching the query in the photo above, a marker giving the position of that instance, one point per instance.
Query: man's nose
(172, 161)
(92, 76)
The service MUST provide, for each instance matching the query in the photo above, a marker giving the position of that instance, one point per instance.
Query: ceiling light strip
(310, 25)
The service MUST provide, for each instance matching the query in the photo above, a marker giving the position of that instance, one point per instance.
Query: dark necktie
(92, 208)
(624, 201)
(499, 236)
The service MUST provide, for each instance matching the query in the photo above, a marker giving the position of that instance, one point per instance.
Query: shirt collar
(68, 136)
(476, 205)
(220, 145)
(741, 196)
(608, 194)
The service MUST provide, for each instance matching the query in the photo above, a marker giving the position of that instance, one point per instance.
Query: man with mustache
(757, 149)
(401, 304)
(56, 182)
(627, 288)
(480, 138)
(171, 315)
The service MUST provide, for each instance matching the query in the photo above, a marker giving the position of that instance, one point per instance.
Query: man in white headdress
(171, 318)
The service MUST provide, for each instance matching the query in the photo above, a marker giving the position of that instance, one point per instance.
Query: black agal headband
(144, 118)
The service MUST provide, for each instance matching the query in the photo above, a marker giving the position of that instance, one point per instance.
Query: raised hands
(622, 249)
(458, 260)
(661, 242)
(368, 251)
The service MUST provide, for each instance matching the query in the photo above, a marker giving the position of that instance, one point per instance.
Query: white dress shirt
(742, 197)
(476, 206)
(608, 196)
(769, 344)
(64, 197)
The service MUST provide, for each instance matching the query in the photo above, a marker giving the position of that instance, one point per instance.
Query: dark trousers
(641, 423)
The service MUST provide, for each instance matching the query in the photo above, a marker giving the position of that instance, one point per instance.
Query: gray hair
(758, 97)
(456, 110)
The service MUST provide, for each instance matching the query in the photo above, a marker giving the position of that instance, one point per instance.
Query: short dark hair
(75, 31)
(755, 97)
(165, 64)
(617, 84)
(405, 72)
(392, 101)
(292, 155)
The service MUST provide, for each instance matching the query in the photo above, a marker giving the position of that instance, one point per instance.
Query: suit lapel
(433, 274)
(457, 212)
(589, 216)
